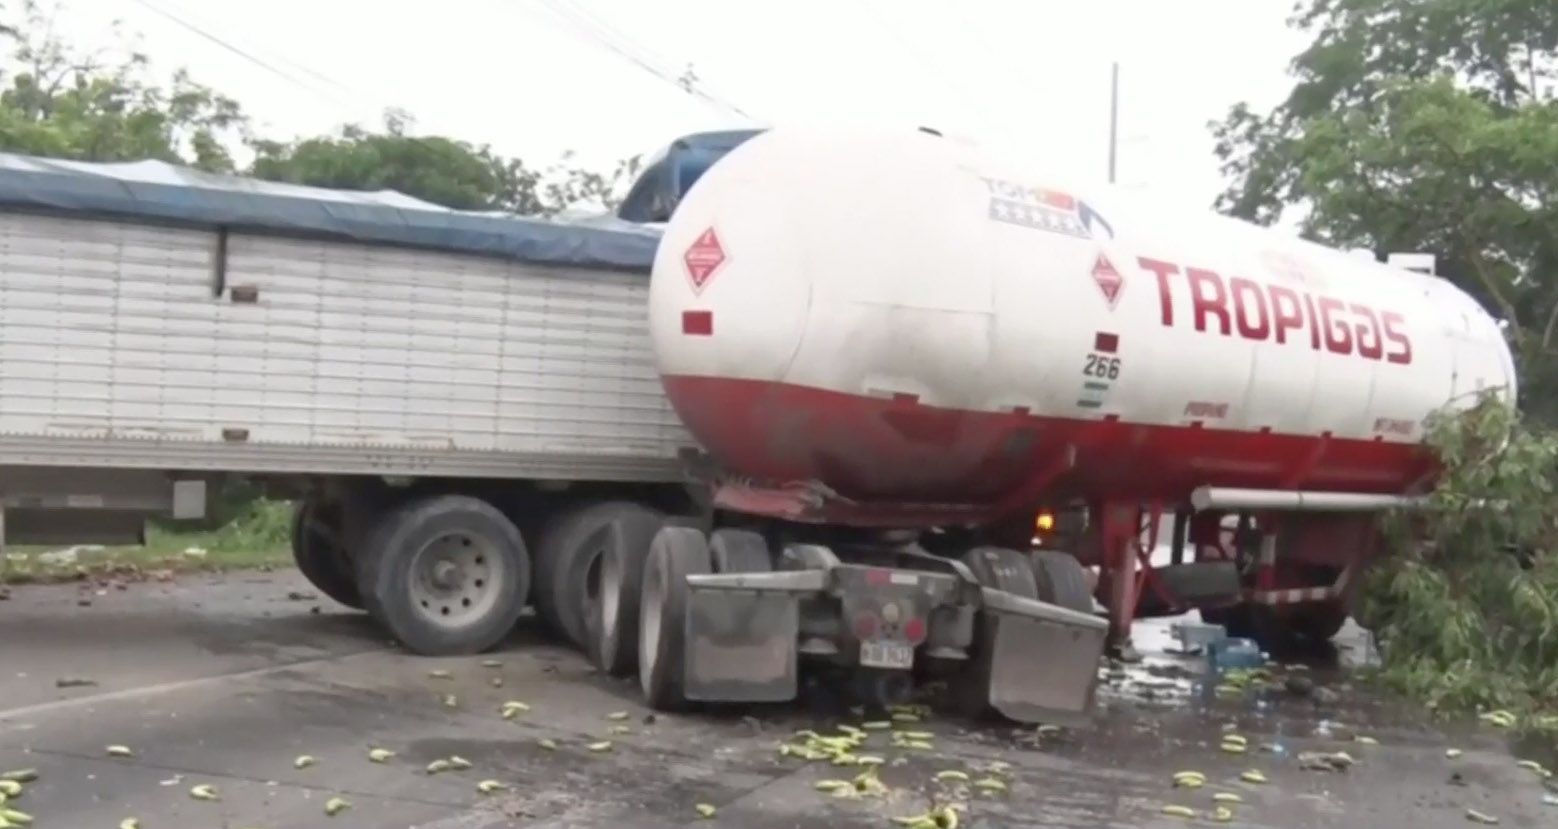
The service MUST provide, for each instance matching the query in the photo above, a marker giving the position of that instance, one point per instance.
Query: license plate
(886, 654)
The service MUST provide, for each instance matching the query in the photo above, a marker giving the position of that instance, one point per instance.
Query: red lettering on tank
(1260, 312)
(1338, 337)
(1163, 270)
(1391, 322)
(1249, 309)
(1208, 298)
(1287, 312)
(1314, 322)
(1370, 346)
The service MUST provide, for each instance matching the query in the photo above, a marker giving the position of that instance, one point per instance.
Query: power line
(932, 66)
(210, 37)
(599, 32)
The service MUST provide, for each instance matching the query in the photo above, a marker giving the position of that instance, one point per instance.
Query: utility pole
(1114, 116)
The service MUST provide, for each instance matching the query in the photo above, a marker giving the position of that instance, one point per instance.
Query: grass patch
(258, 536)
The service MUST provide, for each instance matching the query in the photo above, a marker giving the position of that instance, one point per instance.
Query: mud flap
(741, 643)
(1045, 665)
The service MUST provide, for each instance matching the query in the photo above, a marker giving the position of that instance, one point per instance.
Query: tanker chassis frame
(705, 605)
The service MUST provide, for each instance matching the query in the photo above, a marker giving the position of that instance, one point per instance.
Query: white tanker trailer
(870, 359)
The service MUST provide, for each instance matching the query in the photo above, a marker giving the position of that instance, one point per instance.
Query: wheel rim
(606, 579)
(456, 580)
(649, 622)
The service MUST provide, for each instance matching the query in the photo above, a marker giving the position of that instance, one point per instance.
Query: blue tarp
(159, 192)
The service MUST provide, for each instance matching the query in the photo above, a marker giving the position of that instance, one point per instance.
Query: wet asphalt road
(225, 680)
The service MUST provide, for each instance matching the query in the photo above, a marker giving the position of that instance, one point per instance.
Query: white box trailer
(466, 409)
(157, 331)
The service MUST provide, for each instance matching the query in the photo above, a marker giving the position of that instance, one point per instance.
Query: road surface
(226, 680)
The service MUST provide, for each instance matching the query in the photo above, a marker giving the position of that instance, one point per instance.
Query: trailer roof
(160, 192)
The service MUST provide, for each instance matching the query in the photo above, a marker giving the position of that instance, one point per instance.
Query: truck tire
(619, 578)
(320, 558)
(568, 564)
(447, 574)
(1001, 569)
(739, 551)
(1061, 580)
(676, 553)
(1320, 621)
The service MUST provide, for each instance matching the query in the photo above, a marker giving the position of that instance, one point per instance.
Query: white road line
(55, 706)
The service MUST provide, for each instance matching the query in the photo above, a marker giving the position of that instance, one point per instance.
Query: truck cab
(669, 174)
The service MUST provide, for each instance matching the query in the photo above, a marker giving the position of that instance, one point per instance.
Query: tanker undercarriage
(732, 616)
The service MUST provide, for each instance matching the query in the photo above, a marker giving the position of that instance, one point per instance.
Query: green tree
(441, 170)
(60, 102)
(1430, 126)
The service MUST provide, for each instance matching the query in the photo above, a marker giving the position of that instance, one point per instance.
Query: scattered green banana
(1480, 817)
(1179, 811)
(705, 811)
(119, 751)
(451, 701)
(380, 755)
(15, 817)
(336, 805)
(458, 763)
(303, 761)
(130, 823)
(1453, 753)
(439, 765)
(1253, 776)
(491, 663)
(990, 784)
(1222, 814)
(831, 785)
(603, 745)
(1227, 797)
(20, 775)
(489, 786)
(10, 788)
(512, 709)
(617, 716)
(1364, 740)
(440, 673)
(547, 743)
(876, 725)
(952, 776)
(1234, 748)
(204, 791)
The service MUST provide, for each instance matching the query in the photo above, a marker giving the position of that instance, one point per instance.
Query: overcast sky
(535, 78)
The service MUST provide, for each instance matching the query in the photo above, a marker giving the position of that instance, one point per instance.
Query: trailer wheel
(449, 574)
(739, 551)
(568, 564)
(1061, 580)
(1001, 569)
(319, 555)
(676, 553)
(618, 580)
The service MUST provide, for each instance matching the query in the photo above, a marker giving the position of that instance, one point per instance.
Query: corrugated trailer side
(129, 345)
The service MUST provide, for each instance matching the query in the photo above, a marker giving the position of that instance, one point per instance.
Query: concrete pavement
(226, 680)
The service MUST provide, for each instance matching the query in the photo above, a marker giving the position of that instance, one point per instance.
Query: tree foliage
(60, 102)
(1422, 125)
(1466, 608)
(1432, 125)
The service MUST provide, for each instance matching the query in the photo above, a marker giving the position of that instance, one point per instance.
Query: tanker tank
(905, 319)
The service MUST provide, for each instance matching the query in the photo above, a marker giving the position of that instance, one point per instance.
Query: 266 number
(1106, 368)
